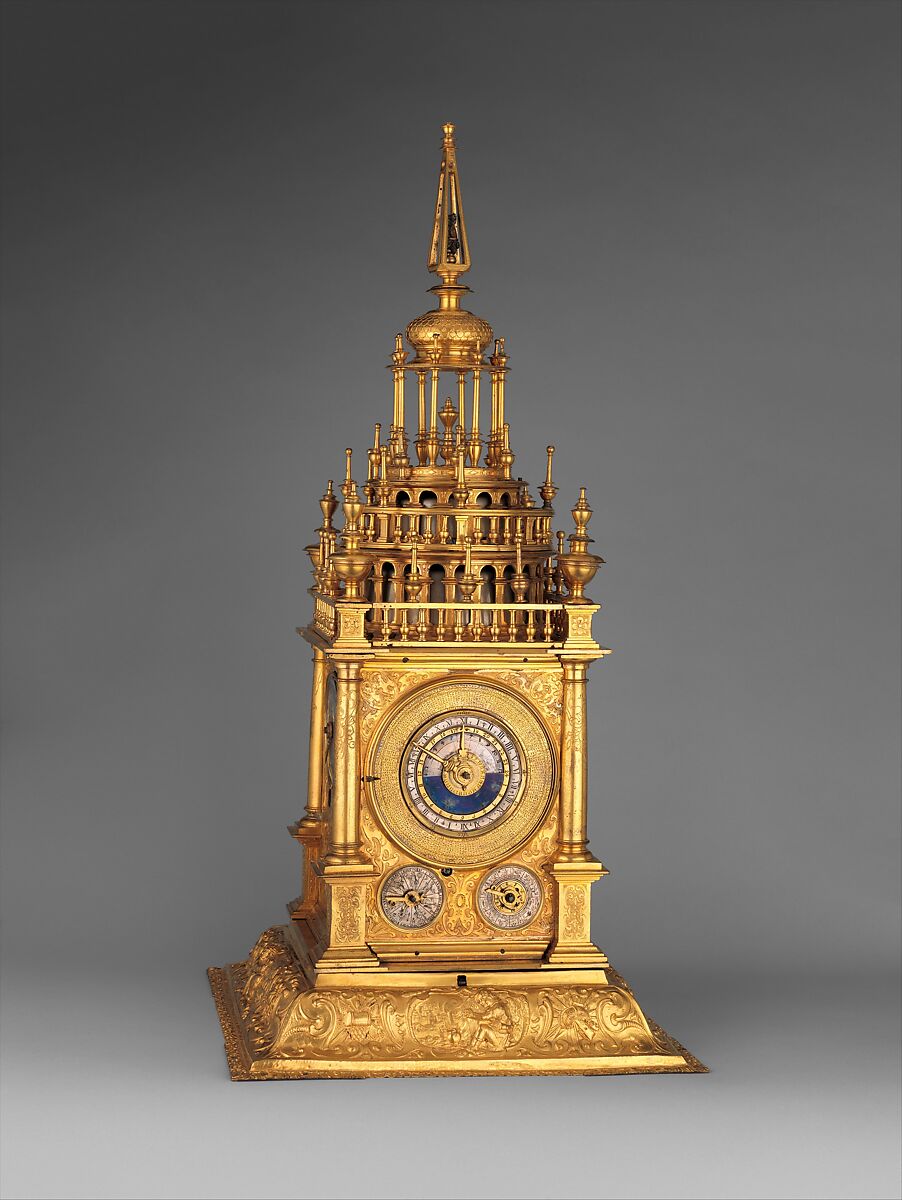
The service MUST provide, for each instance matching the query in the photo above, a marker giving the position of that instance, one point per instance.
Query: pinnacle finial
(349, 487)
(449, 252)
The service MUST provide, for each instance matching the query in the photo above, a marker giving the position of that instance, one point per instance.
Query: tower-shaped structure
(443, 925)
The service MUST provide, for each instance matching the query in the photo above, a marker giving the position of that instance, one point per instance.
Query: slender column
(421, 415)
(317, 732)
(396, 412)
(345, 873)
(461, 409)
(433, 404)
(474, 431)
(493, 432)
(574, 869)
(401, 430)
(345, 825)
(421, 396)
(432, 439)
(574, 764)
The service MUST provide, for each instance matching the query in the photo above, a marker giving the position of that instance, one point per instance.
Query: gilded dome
(460, 337)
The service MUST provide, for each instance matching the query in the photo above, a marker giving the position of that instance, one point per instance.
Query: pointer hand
(411, 897)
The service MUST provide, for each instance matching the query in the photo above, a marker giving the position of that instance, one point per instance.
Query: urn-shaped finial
(579, 566)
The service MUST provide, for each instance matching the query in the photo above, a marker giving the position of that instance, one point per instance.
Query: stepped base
(279, 1023)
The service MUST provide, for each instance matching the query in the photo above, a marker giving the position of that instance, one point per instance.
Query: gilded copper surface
(388, 749)
(448, 933)
(277, 1026)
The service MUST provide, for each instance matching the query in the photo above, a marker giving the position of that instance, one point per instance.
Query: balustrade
(459, 621)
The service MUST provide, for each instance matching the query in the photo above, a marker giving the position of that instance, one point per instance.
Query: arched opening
(486, 593)
(437, 593)
(483, 500)
(387, 590)
(505, 500)
(427, 524)
(402, 499)
(487, 585)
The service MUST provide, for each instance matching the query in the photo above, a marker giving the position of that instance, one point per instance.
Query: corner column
(309, 831)
(344, 871)
(317, 734)
(575, 869)
(344, 840)
(574, 765)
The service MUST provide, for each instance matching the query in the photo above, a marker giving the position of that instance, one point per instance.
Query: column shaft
(574, 763)
(345, 830)
(317, 730)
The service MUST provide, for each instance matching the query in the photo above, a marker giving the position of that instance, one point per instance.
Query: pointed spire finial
(349, 487)
(548, 491)
(449, 252)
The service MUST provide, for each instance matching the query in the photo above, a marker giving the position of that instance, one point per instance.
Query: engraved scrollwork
(574, 912)
(347, 1024)
(375, 845)
(379, 689)
(543, 688)
(269, 983)
(347, 926)
(459, 917)
(536, 854)
(284, 1018)
(542, 847)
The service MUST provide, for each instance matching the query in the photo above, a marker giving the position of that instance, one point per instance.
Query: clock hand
(435, 756)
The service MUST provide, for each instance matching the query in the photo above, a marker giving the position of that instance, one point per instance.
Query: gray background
(684, 218)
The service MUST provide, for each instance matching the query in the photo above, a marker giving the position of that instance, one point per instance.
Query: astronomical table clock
(443, 926)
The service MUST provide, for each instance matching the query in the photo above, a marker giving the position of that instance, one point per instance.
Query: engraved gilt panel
(380, 689)
(544, 689)
(460, 915)
(288, 1020)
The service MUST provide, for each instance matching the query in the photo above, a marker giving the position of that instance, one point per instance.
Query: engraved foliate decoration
(509, 897)
(412, 897)
(450, 782)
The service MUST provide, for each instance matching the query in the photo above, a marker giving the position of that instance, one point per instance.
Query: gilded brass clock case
(388, 749)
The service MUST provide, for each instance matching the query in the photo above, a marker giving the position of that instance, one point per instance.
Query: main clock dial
(412, 897)
(462, 773)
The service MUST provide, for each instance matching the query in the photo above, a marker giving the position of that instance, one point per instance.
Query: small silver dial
(509, 897)
(412, 897)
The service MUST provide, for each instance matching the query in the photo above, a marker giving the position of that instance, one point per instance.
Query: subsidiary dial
(412, 897)
(462, 773)
(509, 897)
